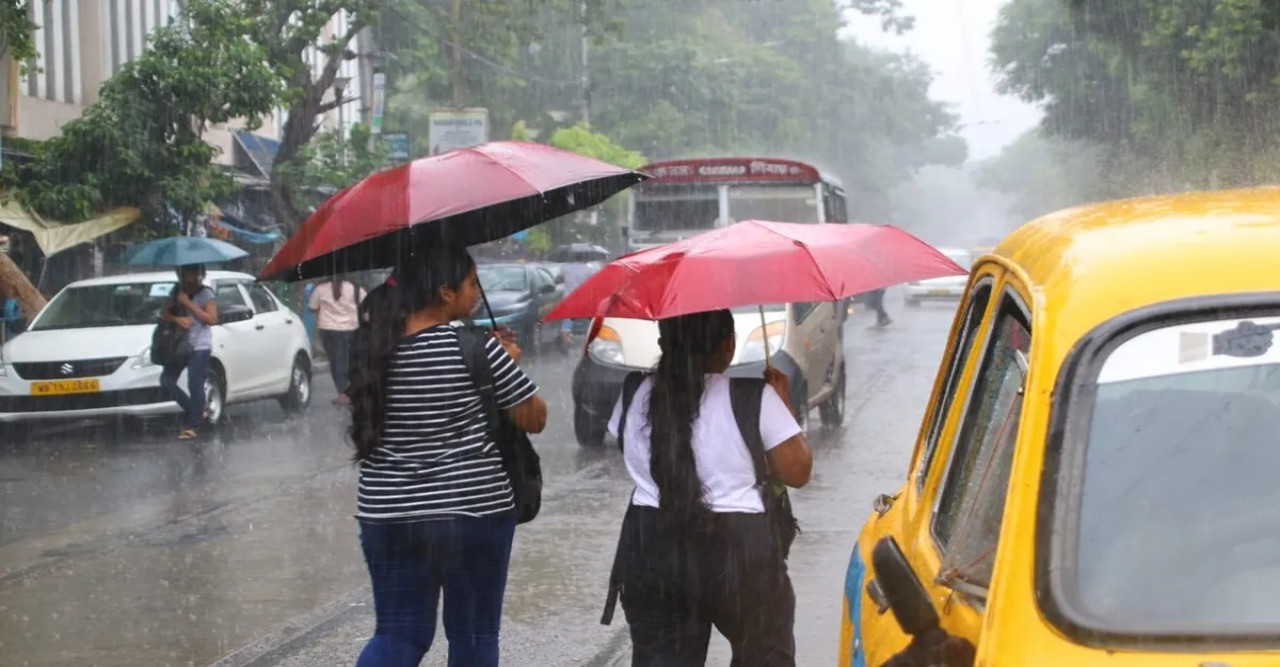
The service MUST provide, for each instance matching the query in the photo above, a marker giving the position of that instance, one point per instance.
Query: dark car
(520, 294)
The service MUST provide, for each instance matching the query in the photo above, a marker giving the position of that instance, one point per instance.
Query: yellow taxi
(1096, 480)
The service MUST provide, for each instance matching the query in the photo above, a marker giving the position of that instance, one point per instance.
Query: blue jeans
(191, 402)
(409, 565)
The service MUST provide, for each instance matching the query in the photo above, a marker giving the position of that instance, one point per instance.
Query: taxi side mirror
(901, 589)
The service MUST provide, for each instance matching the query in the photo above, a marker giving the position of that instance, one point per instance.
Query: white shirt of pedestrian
(341, 314)
(724, 463)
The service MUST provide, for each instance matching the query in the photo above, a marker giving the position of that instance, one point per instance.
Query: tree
(1176, 93)
(1043, 174)
(17, 31)
(142, 143)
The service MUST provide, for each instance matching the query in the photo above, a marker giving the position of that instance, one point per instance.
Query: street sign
(457, 128)
(397, 144)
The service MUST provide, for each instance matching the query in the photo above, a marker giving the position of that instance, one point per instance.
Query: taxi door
(946, 518)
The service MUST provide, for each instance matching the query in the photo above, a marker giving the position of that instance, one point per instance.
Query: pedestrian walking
(194, 308)
(698, 548)
(875, 300)
(434, 503)
(336, 304)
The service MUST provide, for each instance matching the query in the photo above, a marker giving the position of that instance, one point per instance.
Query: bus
(686, 197)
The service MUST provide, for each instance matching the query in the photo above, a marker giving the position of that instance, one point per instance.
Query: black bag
(518, 456)
(169, 342)
(745, 394)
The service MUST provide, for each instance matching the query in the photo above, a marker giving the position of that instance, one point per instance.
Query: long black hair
(414, 285)
(689, 343)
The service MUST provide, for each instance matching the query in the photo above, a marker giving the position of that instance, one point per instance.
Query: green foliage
(330, 163)
(142, 143)
(17, 32)
(581, 140)
(1044, 174)
(1175, 93)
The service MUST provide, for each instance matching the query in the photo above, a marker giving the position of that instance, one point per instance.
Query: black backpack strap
(746, 395)
(630, 385)
(476, 359)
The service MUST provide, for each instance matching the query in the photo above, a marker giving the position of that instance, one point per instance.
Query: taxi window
(977, 307)
(970, 506)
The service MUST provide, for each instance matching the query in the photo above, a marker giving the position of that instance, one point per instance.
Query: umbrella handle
(765, 337)
(493, 321)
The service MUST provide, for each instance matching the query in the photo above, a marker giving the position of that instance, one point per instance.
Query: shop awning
(261, 151)
(54, 237)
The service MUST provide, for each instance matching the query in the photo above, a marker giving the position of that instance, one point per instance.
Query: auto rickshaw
(1096, 480)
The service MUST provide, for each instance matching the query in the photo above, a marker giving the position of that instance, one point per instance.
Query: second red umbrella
(755, 262)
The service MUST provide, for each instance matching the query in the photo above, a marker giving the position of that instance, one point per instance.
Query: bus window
(780, 203)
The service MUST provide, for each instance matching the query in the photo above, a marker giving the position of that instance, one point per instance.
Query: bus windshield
(780, 203)
(677, 207)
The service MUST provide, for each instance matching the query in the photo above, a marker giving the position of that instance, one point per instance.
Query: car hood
(71, 344)
(640, 337)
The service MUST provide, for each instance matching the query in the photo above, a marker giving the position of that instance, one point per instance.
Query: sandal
(188, 434)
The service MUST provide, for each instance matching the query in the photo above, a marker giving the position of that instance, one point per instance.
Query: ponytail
(688, 343)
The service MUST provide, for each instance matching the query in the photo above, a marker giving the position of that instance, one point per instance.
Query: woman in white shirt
(337, 305)
(697, 549)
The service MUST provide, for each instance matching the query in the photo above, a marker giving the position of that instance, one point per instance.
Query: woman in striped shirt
(435, 504)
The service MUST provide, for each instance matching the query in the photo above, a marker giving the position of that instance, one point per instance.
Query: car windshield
(1179, 513)
(118, 305)
(503, 278)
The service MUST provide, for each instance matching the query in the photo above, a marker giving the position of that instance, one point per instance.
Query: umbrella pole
(765, 334)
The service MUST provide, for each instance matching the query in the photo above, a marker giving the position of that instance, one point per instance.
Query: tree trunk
(14, 284)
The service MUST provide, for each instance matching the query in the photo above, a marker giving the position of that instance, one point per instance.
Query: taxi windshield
(1178, 512)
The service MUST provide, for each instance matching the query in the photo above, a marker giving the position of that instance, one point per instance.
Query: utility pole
(455, 61)
(586, 71)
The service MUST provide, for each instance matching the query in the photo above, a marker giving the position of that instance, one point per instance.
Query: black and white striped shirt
(436, 458)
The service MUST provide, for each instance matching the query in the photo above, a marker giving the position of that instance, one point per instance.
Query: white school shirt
(724, 463)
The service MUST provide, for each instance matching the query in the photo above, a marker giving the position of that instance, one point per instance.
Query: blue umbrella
(182, 250)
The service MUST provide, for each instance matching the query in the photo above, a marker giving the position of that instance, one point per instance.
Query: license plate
(58, 387)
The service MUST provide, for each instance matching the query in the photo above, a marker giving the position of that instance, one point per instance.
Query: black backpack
(745, 395)
(169, 342)
(518, 456)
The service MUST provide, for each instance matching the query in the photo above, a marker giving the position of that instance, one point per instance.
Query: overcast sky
(953, 37)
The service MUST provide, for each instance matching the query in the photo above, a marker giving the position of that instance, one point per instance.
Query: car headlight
(607, 347)
(143, 360)
(774, 333)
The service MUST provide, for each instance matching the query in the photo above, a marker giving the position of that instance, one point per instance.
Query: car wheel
(215, 397)
(529, 341)
(296, 400)
(832, 410)
(588, 432)
(801, 403)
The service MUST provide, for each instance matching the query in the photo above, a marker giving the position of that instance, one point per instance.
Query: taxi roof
(1087, 264)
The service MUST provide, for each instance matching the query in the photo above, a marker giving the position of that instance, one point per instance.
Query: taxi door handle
(259, 326)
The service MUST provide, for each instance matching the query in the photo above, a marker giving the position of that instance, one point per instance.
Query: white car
(949, 288)
(87, 353)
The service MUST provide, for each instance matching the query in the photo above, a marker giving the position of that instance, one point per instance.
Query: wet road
(135, 549)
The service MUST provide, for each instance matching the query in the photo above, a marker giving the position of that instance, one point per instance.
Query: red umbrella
(469, 196)
(755, 262)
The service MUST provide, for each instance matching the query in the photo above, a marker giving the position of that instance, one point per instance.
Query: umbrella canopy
(755, 262)
(469, 196)
(182, 250)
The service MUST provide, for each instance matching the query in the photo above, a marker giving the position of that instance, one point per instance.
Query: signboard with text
(457, 128)
(379, 101)
(397, 145)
